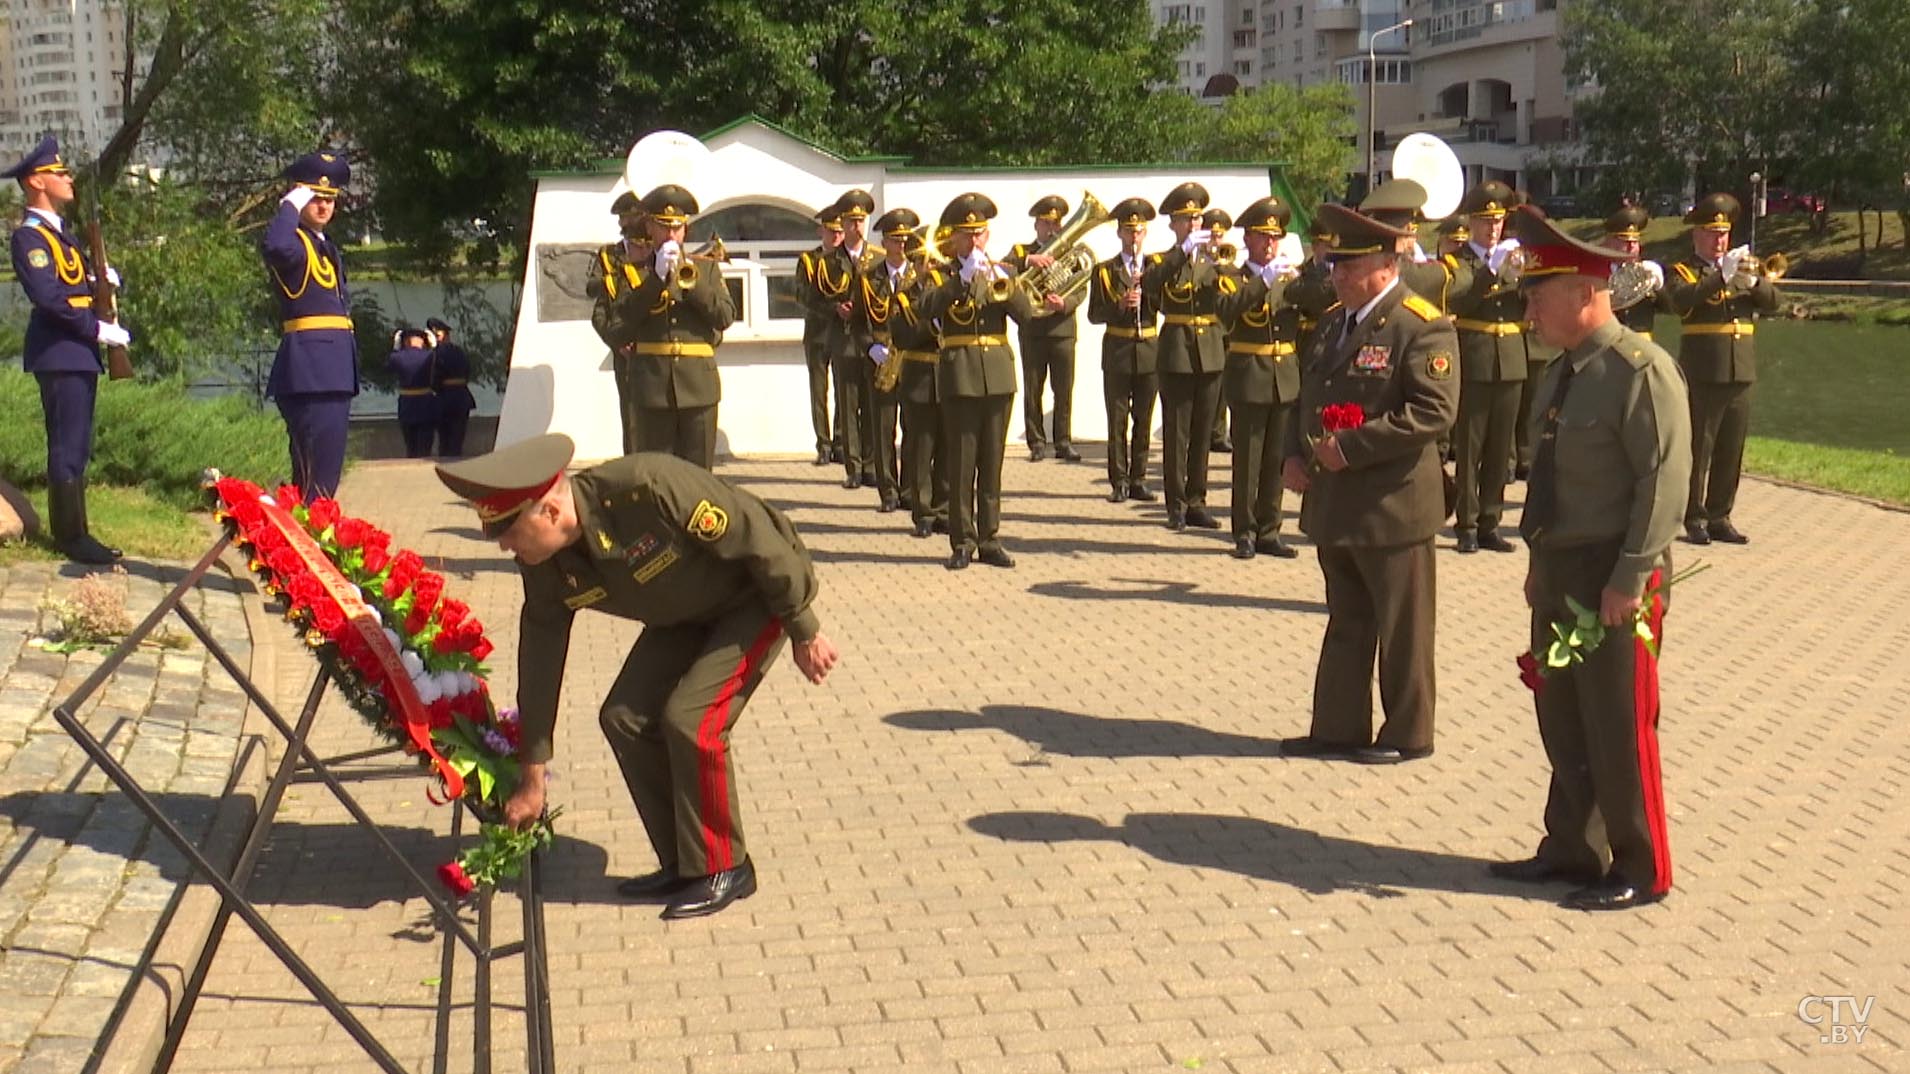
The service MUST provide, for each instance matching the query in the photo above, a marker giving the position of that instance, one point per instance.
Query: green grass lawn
(136, 523)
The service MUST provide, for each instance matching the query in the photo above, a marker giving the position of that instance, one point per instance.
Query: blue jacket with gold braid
(62, 332)
(317, 352)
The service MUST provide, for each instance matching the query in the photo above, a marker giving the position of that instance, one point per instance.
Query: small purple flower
(497, 743)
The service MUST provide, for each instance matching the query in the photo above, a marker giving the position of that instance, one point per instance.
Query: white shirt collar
(1482, 251)
(50, 217)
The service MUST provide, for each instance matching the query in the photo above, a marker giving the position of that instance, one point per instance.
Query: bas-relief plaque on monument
(563, 270)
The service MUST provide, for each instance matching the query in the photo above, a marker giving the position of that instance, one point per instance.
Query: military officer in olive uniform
(1438, 279)
(839, 280)
(1262, 379)
(1130, 380)
(1311, 292)
(675, 315)
(973, 300)
(1372, 490)
(915, 345)
(878, 305)
(1186, 285)
(1047, 342)
(717, 577)
(617, 268)
(1624, 231)
(1218, 223)
(816, 315)
(1605, 500)
(1718, 298)
(1492, 366)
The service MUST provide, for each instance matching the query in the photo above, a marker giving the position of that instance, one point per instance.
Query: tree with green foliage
(1854, 74)
(1307, 130)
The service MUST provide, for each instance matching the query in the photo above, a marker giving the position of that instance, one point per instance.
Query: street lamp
(1757, 209)
(1372, 83)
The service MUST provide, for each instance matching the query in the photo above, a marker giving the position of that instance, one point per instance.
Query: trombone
(712, 252)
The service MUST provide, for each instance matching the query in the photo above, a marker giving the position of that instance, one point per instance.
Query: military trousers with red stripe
(668, 719)
(1605, 812)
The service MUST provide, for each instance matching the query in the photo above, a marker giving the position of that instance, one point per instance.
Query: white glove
(1420, 256)
(1193, 241)
(299, 197)
(1271, 272)
(113, 335)
(112, 275)
(1728, 264)
(397, 338)
(972, 264)
(1495, 258)
(878, 353)
(1656, 272)
(667, 256)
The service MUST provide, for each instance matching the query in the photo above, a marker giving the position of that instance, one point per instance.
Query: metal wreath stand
(298, 760)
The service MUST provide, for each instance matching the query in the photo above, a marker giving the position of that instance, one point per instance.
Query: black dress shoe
(1037, 453)
(906, 501)
(868, 479)
(996, 557)
(940, 525)
(1696, 535)
(1199, 518)
(651, 885)
(1243, 548)
(1140, 494)
(1726, 532)
(853, 481)
(1536, 870)
(1492, 542)
(835, 454)
(1221, 447)
(888, 504)
(87, 551)
(1274, 546)
(708, 894)
(1308, 746)
(1066, 453)
(1389, 754)
(1119, 495)
(959, 559)
(1613, 894)
(1520, 473)
(924, 527)
(1468, 542)
(822, 457)
(1177, 521)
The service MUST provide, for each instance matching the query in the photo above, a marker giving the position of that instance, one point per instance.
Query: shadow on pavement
(1171, 593)
(1072, 734)
(1263, 850)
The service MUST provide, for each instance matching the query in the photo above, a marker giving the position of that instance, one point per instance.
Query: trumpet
(1513, 267)
(712, 252)
(1751, 268)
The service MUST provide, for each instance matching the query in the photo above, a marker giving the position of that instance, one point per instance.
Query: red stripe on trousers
(713, 753)
(1645, 710)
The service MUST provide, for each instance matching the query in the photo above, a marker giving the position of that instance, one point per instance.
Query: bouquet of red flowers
(1338, 416)
(407, 657)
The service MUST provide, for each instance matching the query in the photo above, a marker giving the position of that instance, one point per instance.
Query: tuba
(1432, 164)
(1073, 263)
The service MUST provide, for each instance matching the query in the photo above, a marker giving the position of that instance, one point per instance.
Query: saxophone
(1073, 263)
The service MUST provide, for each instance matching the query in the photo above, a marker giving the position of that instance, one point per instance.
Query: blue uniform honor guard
(315, 373)
(62, 348)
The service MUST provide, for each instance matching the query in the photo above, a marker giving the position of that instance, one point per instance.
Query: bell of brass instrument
(1772, 267)
(1073, 263)
(1633, 283)
(712, 252)
(888, 373)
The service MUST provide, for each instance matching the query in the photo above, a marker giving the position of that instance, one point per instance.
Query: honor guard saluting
(453, 385)
(1130, 380)
(315, 373)
(839, 280)
(1437, 279)
(62, 346)
(1718, 295)
(915, 346)
(1218, 223)
(618, 268)
(976, 379)
(412, 365)
(1492, 366)
(1373, 491)
(1047, 343)
(1311, 292)
(816, 315)
(1262, 379)
(1624, 232)
(1186, 284)
(674, 315)
(716, 576)
(878, 302)
(1604, 502)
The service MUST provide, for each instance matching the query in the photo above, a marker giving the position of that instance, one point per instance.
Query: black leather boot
(66, 506)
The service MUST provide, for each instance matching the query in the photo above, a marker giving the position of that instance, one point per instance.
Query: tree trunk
(1903, 225)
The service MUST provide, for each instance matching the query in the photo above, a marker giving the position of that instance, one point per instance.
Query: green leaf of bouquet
(1559, 655)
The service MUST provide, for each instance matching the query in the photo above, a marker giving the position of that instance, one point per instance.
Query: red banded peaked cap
(1551, 252)
(501, 484)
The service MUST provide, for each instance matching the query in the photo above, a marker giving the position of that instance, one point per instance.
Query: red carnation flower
(375, 559)
(377, 538)
(350, 532)
(417, 620)
(445, 642)
(249, 515)
(439, 714)
(328, 618)
(287, 496)
(451, 875)
(1530, 673)
(426, 589)
(451, 612)
(285, 563)
(307, 592)
(267, 539)
(1341, 416)
(323, 514)
(481, 650)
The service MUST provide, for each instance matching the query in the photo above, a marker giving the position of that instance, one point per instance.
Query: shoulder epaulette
(1228, 285)
(1425, 310)
(1450, 262)
(1329, 309)
(1153, 259)
(1685, 272)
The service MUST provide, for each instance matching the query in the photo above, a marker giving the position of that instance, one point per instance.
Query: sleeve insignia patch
(38, 258)
(1439, 365)
(709, 522)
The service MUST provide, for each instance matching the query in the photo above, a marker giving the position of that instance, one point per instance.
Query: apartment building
(1224, 56)
(60, 63)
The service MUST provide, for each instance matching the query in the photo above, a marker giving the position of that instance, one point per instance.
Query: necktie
(1541, 506)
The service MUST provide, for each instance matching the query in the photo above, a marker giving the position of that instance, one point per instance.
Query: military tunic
(612, 273)
(315, 372)
(1191, 355)
(61, 349)
(840, 278)
(1617, 480)
(1490, 316)
(1047, 349)
(1262, 384)
(418, 412)
(816, 316)
(975, 377)
(1374, 521)
(914, 342)
(673, 333)
(877, 308)
(1311, 294)
(1719, 359)
(1130, 377)
(718, 578)
(452, 383)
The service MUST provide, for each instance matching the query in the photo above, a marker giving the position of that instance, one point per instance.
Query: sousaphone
(1432, 164)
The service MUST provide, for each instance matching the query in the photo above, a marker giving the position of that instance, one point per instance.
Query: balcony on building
(1329, 15)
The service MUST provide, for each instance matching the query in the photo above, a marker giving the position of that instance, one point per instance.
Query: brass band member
(1262, 379)
(1047, 343)
(878, 301)
(1624, 232)
(1311, 292)
(1490, 316)
(816, 315)
(839, 277)
(1129, 378)
(1186, 285)
(1718, 294)
(976, 378)
(915, 348)
(1218, 222)
(618, 268)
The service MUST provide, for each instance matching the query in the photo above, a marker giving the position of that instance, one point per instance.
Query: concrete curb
(134, 1044)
